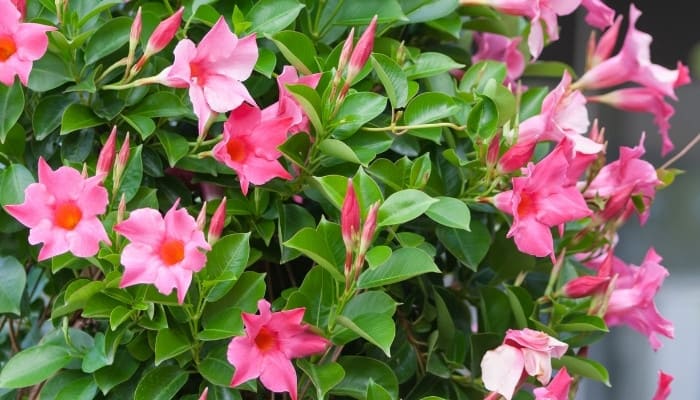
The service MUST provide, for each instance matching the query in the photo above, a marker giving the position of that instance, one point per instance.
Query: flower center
(266, 340)
(172, 251)
(197, 74)
(236, 150)
(7, 47)
(527, 205)
(68, 215)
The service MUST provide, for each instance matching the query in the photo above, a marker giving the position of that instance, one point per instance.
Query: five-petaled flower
(164, 251)
(272, 339)
(61, 211)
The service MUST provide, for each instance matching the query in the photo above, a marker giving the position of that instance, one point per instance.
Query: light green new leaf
(33, 365)
(404, 263)
(403, 206)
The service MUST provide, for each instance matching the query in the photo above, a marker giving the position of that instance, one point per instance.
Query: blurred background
(673, 228)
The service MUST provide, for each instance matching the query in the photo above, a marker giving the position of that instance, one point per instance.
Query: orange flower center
(527, 205)
(197, 74)
(266, 340)
(7, 47)
(68, 215)
(236, 150)
(172, 251)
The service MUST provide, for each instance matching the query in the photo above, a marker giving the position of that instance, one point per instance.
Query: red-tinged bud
(21, 6)
(202, 217)
(121, 208)
(120, 165)
(164, 33)
(494, 150)
(346, 52)
(216, 226)
(361, 52)
(204, 394)
(106, 158)
(606, 44)
(585, 286)
(368, 229)
(350, 218)
(135, 33)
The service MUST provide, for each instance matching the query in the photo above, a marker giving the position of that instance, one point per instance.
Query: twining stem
(683, 152)
(395, 128)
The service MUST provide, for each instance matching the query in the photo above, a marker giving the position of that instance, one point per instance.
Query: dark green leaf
(11, 107)
(403, 206)
(469, 247)
(49, 72)
(357, 110)
(175, 146)
(298, 49)
(584, 367)
(450, 212)
(429, 64)
(483, 119)
(76, 117)
(404, 263)
(13, 180)
(108, 38)
(12, 285)
(48, 114)
(33, 365)
(161, 383)
(170, 343)
(324, 377)
(393, 78)
(359, 372)
(271, 16)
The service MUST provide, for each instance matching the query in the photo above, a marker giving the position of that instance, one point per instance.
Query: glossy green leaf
(225, 263)
(359, 372)
(584, 367)
(323, 245)
(310, 102)
(404, 263)
(403, 206)
(48, 114)
(339, 150)
(317, 294)
(159, 104)
(427, 10)
(360, 12)
(133, 174)
(13, 180)
(377, 392)
(266, 62)
(271, 16)
(143, 125)
(324, 377)
(216, 369)
(161, 383)
(430, 64)
(77, 117)
(296, 149)
(377, 329)
(483, 119)
(84, 388)
(548, 69)
(298, 49)
(469, 247)
(11, 107)
(12, 285)
(108, 38)
(582, 323)
(33, 365)
(49, 72)
(333, 187)
(450, 212)
(175, 146)
(120, 371)
(428, 107)
(531, 102)
(170, 343)
(357, 110)
(393, 78)
(477, 75)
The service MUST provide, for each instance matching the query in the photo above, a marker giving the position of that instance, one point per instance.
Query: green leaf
(143, 125)
(120, 371)
(581, 323)
(451, 24)
(324, 377)
(310, 102)
(531, 102)
(12, 285)
(584, 367)
(378, 329)
(292, 218)
(403, 206)
(298, 49)
(78, 116)
(11, 107)
(174, 145)
(48, 114)
(266, 62)
(108, 38)
(360, 12)
(333, 187)
(84, 388)
(222, 325)
(133, 174)
(450, 212)
(478, 74)
(393, 78)
(339, 150)
(13, 180)
(376, 392)
(271, 16)
(323, 245)
(296, 149)
(33, 365)
(49, 72)
(216, 369)
(360, 372)
(483, 119)
(161, 383)
(90, 9)
(469, 247)
(428, 107)
(225, 263)
(404, 263)
(425, 11)
(159, 104)
(357, 110)
(430, 64)
(318, 293)
(170, 343)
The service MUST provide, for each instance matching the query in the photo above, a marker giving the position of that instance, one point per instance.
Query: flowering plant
(328, 199)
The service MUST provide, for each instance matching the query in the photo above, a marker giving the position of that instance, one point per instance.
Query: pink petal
(599, 15)
(240, 62)
(140, 265)
(180, 72)
(532, 237)
(84, 240)
(32, 40)
(200, 107)
(64, 184)
(36, 206)
(278, 374)
(93, 198)
(218, 43)
(145, 226)
(535, 40)
(244, 355)
(501, 369)
(9, 17)
(223, 93)
(54, 239)
(564, 206)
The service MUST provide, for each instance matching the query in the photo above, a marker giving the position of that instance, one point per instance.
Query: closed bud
(216, 226)
(121, 208)
(106, 158)
(120, 165)
(164, 33)
(369, 228)
(135, 33)
(494, 150)
(346, 52)
(202, 217)
(586, 286)
(350, 218)
(361, 52)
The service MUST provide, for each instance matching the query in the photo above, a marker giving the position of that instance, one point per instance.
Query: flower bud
(346, 51)
(216, 226)
(350, 218)
(121, 208)
(494, 150)
(106, 158)
(361, 52)
(120, 165)
(204, 394)
(368, 229)
(202, 217)
(135, 33)
(164, 33)
(585, 286)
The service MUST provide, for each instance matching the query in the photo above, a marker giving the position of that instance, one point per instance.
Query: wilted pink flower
(105, 160)
(632, 301)
(558, 388)
(663, 389)
(633, 64)
(599, 15)
(216, 226)
(641, 99)
(249, 146)
(621, 179)
(350, 218)
(271, 341)
(164, 33)
(213, 71)
(287, 106)
(61, 211)
(362, 50)
(523, 351)
(20, 43)
(491, 46)
(164, 251)
(542, 198)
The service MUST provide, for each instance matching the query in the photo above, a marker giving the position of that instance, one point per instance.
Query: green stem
(395, 128)
(114, 66)
(139, 82)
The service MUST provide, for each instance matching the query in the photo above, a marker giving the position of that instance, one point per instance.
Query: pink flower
(601, 51)
(20, 43)
(491, 46)
(663, 389)
(61, 211)
(213, 71)
(287, 106)
(632, 300)
(523, 351)
(599, 15)
(544, 197)
(620, 180)
(163, 251)
(558, 388)
(271, 341)
(249, 145)
(164, 33)
(633, 64)
(641, 99)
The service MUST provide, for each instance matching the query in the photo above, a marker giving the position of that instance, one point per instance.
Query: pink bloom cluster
(20, 43)
(523, 352)
(491, 46)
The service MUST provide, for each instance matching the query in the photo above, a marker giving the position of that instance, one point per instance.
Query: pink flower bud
(121, 208)
(494, 150)
(135, 33)
(346, 51)
(202, 217)
(164, 33)
(361, 52)
(350, 218)
(216, 226)
(123, 155)
(368, 229)
(106, 158)
(204, 394)
(586, 286)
